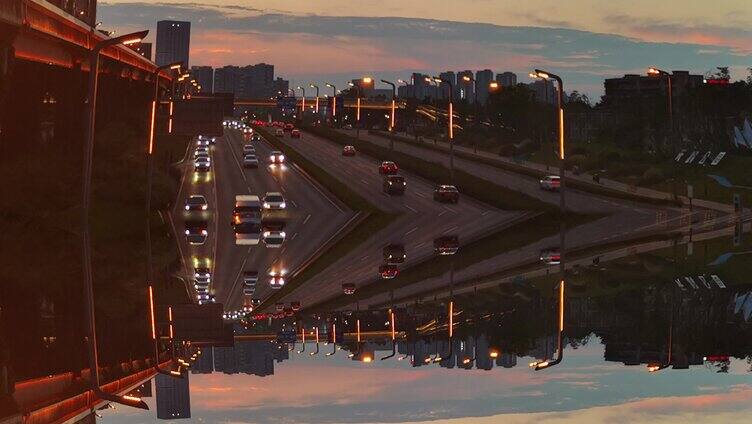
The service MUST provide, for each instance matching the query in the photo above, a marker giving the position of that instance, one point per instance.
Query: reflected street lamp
(317, 343)
(392, 115)
(393, 326)
(91, 100)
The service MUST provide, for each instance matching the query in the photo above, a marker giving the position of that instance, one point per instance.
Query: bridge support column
(7, 58)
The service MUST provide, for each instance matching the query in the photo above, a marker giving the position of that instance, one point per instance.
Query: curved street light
(450, 130)
(560, 102)
(317, 343)
(317, 95)
(302, 106)
(334, 100)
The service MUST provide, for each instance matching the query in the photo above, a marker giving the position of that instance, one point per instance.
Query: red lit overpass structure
(65, 398)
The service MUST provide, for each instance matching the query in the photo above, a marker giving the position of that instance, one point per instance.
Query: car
(388, 167)
(272, 224)
(200, 149)
(446, 245)
(202, 272)
(274, 239)
(276, 279)
(247, 209)
(213, 140)
(247, 130)
(550, 183)
(201, 283)
(250, 278)
(348, 126)
(295, 305)
(276, 157)
(247, 233)
(394, 253)
(255, 137)
(394, 185)
(249, 148)
(250, 161)
(550, 256)
(274, 200)
(202, 142)
(388, 271)
(196, 232)
(196, 202)
(202, 155)
(446, 194)
(289, 127)
(202, 164)
(279, 132)
(295, 133)
(255, 301)
(249, 291)
(348, 151)
(348, 288)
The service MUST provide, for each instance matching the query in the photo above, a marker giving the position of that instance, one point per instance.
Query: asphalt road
(421, 219)
(312, 216)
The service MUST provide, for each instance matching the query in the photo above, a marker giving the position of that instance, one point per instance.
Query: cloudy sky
(583, 40)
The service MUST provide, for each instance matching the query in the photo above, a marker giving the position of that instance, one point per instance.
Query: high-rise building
(204, 75)
(507, 79)
(280, 86)
(173, 42)
(257, 81)
(173, 397)
(483, 79)
(464, 90)
(144, 49)
(227, 80)
(545, 91)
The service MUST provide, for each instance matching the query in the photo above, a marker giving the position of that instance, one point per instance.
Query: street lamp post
(334, 100)
(392, 116)
(317, 96)
(302, 106)
(560, 102)
(450, 130)
(317, 342)
(153, 322)
(537, 366)
(655, 72)
(334, 340)
(393, 326)
(357, 109)
(91, 101)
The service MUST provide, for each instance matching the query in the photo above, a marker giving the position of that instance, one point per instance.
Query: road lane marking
(450, 230)
(240, 271)
(293, 236)
(411, 231)
(364, 181)
(408, 206)
(364, 258)
(419, 245)
(306, 219)
(419, 194)
(443, 212)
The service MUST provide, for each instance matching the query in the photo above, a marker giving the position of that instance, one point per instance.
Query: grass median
(524, 170)
(373, 221)
(468, 184)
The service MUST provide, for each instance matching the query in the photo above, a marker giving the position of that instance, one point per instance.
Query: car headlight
(266, 205)
(267, 233)
(271, 158)
(282, 234)
(404, 183)
(204, 232)
(187, 232)
(204, 207)
(187, 207)
(283, 205)
(281, 157)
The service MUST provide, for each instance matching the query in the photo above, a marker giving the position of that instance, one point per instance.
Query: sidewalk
(583, 181)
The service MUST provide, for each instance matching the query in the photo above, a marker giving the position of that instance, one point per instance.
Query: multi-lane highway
(313, 216)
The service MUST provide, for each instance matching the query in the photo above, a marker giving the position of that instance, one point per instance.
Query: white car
(550, 182)
(274, 239)
(274, 200)
(249, 148)
(202, 164)
(196, 202)
(279, 132)
(202, 142)
(201, 149)
(276, 157)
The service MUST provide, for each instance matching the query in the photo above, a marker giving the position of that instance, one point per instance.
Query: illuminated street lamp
(450, 130)
(317, 343)
(540, 365)
(392, 115)
(317, 96)
(302, 107)
(560, 101)
(334, 100)
(156, 340)
(91, 101)
(334, 340)
(302, 334)
(393, 326)
(357, 108)
(655, 72)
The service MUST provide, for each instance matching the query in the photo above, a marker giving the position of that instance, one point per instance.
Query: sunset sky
(583, 40)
